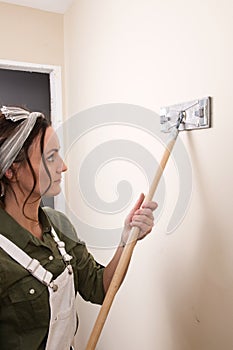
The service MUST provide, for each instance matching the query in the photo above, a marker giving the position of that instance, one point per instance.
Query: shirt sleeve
(89, 275)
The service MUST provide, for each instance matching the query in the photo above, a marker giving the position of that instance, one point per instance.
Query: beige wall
(178, 293)
(30, 35)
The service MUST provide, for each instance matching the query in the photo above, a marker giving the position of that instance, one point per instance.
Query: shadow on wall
(200, 304)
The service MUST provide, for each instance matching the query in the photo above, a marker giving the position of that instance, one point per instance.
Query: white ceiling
(58, 6)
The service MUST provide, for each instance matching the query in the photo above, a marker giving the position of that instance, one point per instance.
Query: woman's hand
(140, 216)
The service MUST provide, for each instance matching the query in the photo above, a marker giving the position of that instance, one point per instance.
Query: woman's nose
(62, 166)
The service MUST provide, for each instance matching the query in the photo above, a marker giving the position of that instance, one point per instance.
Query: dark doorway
(27, 89)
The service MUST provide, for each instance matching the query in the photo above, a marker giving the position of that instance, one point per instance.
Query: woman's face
(53, 161)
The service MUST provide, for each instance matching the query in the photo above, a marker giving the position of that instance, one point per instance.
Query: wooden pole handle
(127, 253)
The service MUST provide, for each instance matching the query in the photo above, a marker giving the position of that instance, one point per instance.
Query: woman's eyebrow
(52, 150)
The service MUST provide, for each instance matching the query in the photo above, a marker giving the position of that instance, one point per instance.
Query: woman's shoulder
(61, 224)
(56, 216)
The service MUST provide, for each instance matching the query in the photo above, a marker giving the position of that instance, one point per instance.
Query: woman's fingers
(144, 219)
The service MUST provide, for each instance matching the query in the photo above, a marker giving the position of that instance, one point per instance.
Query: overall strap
(61, 246)
(54, 222)
(30, 264)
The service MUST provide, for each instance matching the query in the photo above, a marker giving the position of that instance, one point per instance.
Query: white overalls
(63, 317)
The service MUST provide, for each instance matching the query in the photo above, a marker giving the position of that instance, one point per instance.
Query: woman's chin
(53, 191)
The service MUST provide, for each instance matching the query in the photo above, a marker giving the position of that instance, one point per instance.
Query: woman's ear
(9, 174)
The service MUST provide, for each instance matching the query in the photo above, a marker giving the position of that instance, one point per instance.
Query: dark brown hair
(7, 129)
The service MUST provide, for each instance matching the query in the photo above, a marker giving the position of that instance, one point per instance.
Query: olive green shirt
(24, 301)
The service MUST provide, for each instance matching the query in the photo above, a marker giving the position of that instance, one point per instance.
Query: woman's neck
(26, 216)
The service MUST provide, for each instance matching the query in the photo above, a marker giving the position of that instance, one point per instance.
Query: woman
(41, 268)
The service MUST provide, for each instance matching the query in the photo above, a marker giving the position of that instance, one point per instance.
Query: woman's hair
(7, 129)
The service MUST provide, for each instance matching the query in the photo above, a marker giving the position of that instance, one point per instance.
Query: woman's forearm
(111, 268)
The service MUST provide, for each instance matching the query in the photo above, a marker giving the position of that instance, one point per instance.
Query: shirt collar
(16, 233)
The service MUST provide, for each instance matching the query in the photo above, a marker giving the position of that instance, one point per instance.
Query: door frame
(55, 80)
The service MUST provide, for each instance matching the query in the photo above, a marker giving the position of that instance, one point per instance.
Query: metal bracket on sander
(196, 115)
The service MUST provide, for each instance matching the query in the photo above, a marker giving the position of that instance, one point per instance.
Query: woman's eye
(51, 158)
